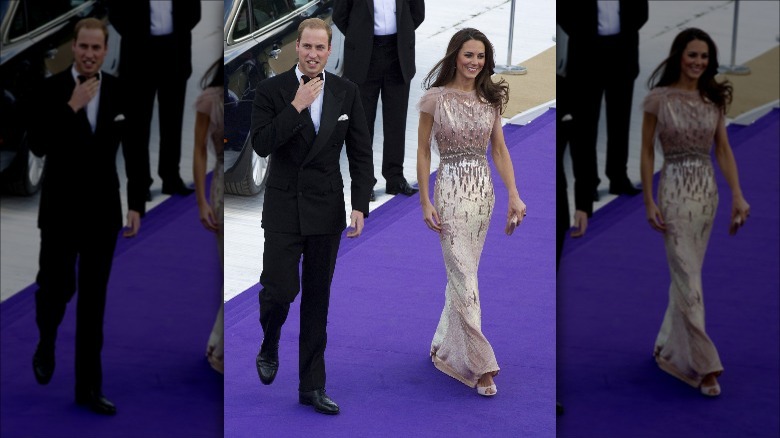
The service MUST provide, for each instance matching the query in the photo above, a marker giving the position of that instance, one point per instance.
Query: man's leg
(584, 136)
(95, 260)
(281, 282)
(56, 285)
(618, 94)
(369, 97)
(369, 94)
(170, 99)
(395, 100)
(319, 262)
(140, 91)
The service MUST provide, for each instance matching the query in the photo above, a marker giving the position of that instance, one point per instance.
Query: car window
(266, 11)
(18, 23)
(262, 13)
(228, 7)
(30, 17)
(241, 26)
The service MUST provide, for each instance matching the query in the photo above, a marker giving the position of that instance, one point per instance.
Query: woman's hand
(655, 217)
(430, 217)
(517, 209)
(740, 211)
(208, 218)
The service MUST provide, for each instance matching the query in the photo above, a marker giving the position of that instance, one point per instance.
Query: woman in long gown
(209, 134)
(685, 111)
(459, 114)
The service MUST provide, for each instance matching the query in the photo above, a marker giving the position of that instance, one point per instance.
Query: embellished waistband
(686, 156)
(458, 156)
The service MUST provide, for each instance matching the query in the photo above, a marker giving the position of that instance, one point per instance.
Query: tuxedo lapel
(370, 4)
(331, 103)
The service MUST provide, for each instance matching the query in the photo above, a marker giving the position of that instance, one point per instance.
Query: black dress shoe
(267, 364)
(624, 188)
(401, 187)
(176, 188)
(43, 364)
(96, 402)
(321, 402)
(372, 196)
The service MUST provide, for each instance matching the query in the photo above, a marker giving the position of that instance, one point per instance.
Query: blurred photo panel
(675, 106)
(112, 278)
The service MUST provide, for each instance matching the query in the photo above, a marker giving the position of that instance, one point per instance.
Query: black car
(259, 42)
(35, 43)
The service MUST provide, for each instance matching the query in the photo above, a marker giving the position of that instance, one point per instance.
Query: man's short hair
(90, 23)
(314, 23)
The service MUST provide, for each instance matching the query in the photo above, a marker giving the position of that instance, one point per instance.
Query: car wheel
(24, 178)
(249, 175)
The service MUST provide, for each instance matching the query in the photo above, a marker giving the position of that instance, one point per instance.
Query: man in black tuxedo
(379, 46)
(80, 211)
(583, 184)
(603, 61)
(302, 119)
(155, 60)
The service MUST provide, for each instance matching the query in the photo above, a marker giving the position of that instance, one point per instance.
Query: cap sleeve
(210, 102)
(204, 102)
(497, 121)
(427, 103)
(652, 101)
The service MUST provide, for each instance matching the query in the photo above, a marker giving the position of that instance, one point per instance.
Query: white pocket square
(119, 117)
(343, 117)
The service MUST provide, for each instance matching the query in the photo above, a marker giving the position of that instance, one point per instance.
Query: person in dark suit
(303, 118)
(583, 184)
(603, 62)
(155, 60)
(379, 46)
(83, 112)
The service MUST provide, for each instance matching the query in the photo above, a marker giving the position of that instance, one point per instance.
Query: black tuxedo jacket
(355, 19)
(131, 20)
(304, 191)
(579, 19)
(80, 184)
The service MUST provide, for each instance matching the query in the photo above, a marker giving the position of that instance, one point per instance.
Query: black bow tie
(83, 78)
(306, 79)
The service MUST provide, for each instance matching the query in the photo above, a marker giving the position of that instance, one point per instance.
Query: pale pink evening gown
(464, 198)
(211, 103)
(687, 198)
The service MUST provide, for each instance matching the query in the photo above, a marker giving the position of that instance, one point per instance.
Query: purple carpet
(387, 296)
(163, 296)
(612, 292)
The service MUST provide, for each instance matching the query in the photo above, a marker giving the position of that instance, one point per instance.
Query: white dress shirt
(92, 106)
(384, 17)
(315, 109)
(609, 17)
(161, 16)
